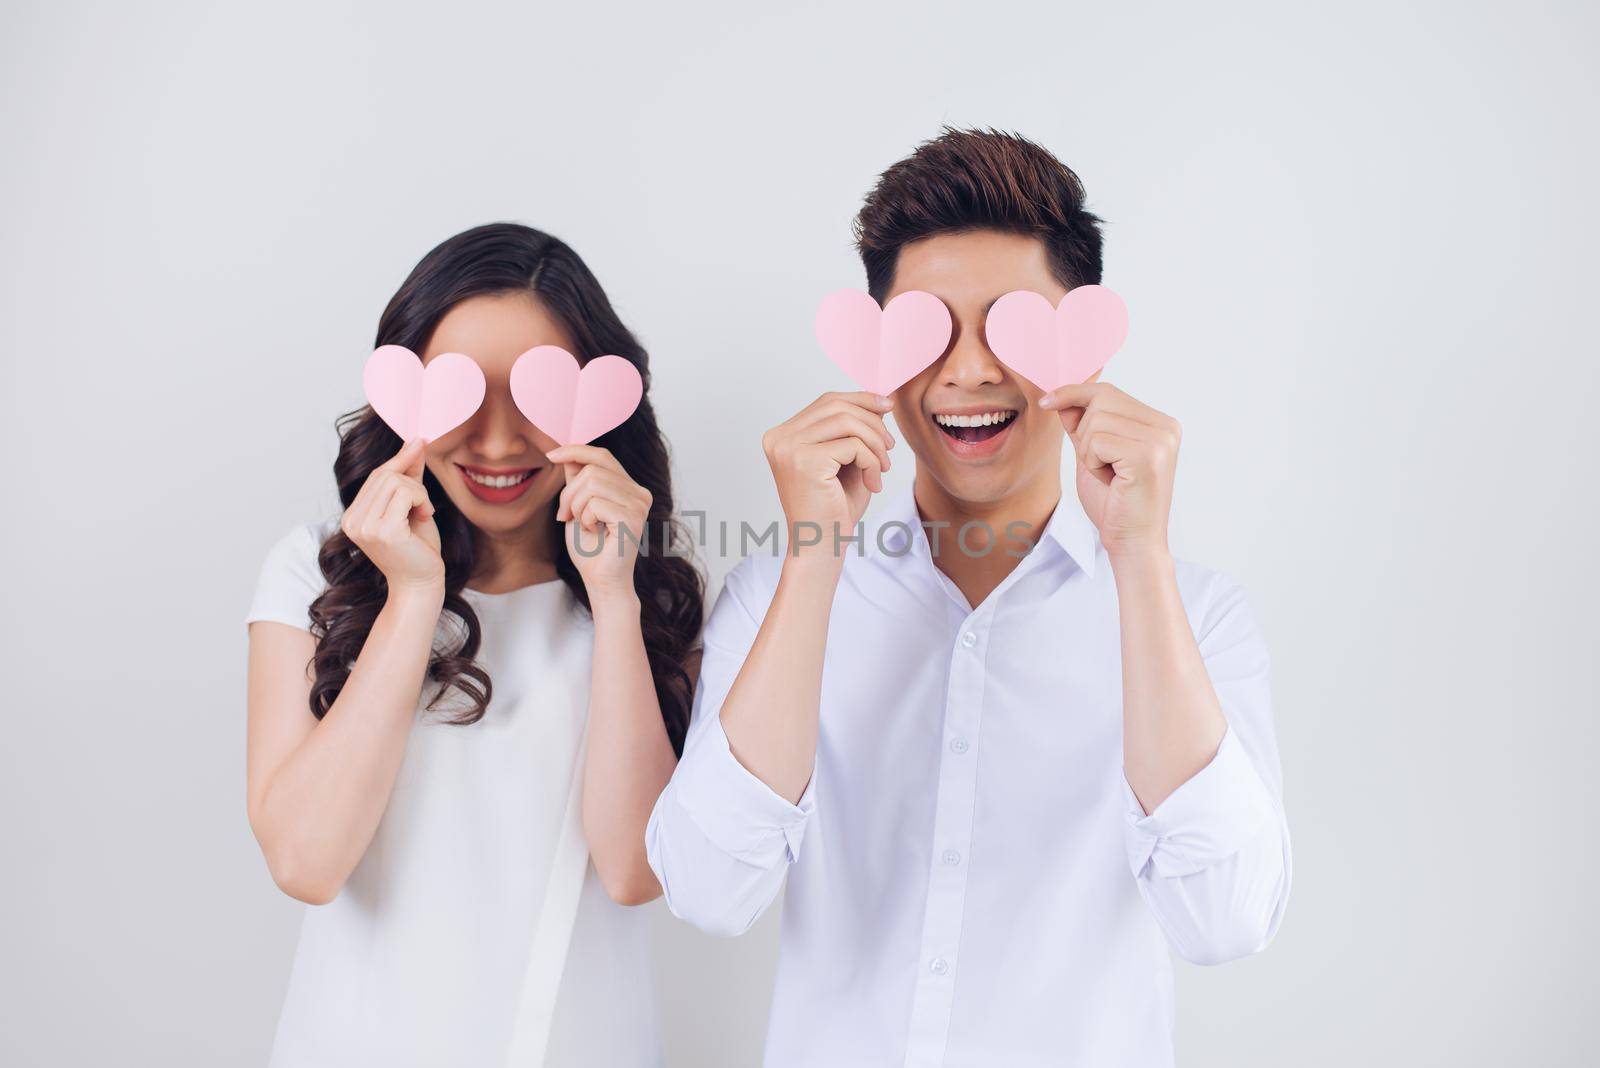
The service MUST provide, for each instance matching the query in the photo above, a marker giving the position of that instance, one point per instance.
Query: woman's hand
(605, 512)
(391, 520)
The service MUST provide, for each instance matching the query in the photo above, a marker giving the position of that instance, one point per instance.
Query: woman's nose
(498, 429)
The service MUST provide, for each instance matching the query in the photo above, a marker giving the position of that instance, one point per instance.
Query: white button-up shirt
(971, 881)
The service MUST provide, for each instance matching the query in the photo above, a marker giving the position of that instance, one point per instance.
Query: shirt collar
(1069, 529)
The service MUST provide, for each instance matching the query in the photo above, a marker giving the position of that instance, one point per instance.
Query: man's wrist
(817, 566)
(1140, 559)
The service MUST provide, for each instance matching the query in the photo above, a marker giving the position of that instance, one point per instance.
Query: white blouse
(426, 956)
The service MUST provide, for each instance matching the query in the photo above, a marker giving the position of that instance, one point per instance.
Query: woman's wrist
(420, 598)
(619, 603)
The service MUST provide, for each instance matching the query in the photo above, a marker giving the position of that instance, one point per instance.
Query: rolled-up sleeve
(719, 839)
(1213, 861)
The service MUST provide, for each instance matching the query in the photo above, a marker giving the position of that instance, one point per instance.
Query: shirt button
(951, 857)
(958, 745)
(968, 640)
(938, 966)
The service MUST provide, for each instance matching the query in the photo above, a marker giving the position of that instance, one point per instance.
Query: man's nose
(970, 362)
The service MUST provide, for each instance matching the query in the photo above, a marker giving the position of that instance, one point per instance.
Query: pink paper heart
(1060, 346)
(882, 348)
(422, 402)
(574, 405)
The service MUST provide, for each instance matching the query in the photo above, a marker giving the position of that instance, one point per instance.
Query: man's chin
(979, 486)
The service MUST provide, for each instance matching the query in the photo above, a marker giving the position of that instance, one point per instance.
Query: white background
(1360, 251)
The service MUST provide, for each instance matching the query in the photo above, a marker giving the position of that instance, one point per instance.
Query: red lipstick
(497, 485)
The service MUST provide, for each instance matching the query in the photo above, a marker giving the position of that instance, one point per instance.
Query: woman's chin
(501, 518)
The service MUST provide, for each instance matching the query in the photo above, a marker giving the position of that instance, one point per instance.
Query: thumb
(408, 460)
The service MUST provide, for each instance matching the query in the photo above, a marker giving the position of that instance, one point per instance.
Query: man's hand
(827, 462)
(1127, 459)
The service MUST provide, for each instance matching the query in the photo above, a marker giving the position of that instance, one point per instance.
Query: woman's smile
(496, 485)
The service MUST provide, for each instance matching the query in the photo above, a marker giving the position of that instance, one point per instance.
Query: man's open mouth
(979, 427)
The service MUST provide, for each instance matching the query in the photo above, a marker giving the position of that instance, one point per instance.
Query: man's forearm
(1172, 722)
(770, 714)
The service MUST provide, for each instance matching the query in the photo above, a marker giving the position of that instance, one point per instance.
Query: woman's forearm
(317, 812)
(629, 757)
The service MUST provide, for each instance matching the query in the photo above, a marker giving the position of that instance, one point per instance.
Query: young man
(999, 785)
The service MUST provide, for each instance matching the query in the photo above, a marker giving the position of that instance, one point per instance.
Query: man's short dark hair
(966, 180)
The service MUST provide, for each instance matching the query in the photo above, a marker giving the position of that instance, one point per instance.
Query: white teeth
(986, 419)
(496, 481)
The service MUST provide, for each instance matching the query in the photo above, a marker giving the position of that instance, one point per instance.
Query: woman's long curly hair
(495, 259)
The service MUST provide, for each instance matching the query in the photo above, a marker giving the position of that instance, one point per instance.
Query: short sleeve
(290, 580)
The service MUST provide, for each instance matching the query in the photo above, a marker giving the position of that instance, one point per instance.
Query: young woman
(456, 706)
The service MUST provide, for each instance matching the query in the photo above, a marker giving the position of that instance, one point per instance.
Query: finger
(1097, 419)
(871, 418)
(1102, 450)
(847, 426)
(1158, 441)
(408, 459)
(356, 514)
(1090, 396)
(834, 410)
(853, 452)
(609, 480)
(582, 508)
(1074, 401)
(583, 497)
(621, 489)
(571, 473)
(1115, 401)
(578, 476)
(602, 510)
(1075, 396)
(370, 527)
(587, 545)
(395, 519)
(872, 402)
(380, 488)
(409, 499)
(421, 501)
(573, 500)
(584, 454)
(375, 486)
